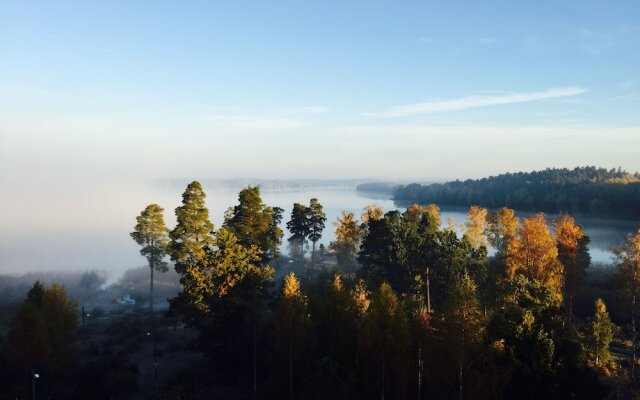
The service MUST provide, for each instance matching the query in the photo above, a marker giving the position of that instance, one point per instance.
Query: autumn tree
(299, 228)
(502, 226)
(253, 223)
(533, 253)
(601, 331)
(385, 341)
(573, 254)
(347, 242)
(151, 233)
(434, 212)
(191, 236)
(371, 212)
(292, 328)
(475, 226)
(464, 326)
(339, 323)
(317, 218)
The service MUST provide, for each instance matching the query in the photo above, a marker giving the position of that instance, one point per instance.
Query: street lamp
(35, 376)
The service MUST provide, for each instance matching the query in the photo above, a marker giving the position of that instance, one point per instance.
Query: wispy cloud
(469, 102)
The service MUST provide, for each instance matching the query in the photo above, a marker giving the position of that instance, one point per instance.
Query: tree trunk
(382, 386)
(151, 290)
(255, 357)
(291, 356)
(313, 254)
(571, 306)
(420, 368)
(428, 290)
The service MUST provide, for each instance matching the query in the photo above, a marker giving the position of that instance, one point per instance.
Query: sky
(99, 99)
(103, 91)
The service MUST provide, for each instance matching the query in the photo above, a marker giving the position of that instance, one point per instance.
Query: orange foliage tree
(533, 253)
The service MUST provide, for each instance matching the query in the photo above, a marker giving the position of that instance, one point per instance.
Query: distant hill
(582, 190)
(270, 184)
(378, 187)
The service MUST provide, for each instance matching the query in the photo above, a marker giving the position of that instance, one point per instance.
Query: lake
(91, 230)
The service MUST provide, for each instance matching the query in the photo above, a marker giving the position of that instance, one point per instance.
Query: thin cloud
(469, 102)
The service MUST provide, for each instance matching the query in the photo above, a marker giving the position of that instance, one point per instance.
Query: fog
(82, 225)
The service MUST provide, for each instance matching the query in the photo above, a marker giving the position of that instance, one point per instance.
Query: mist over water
(82, 225)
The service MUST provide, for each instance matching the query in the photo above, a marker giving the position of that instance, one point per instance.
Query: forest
(397, 307)
(583, 190)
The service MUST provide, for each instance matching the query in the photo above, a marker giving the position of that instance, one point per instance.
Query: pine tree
(317, 218)
(629, 266)
(464, 325)
(192, 235)
(40, 334)
(254, 223)
(151, 233)
(292, 328)
(385, 340)
(601, 331)
(299, 228)
(226, 266)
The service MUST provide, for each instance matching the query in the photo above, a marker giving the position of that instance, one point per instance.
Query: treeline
(583, 190)
(411, 309)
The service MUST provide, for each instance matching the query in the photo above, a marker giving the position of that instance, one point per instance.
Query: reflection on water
(91, 231)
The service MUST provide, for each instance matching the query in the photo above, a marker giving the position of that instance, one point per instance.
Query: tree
(151, 233)
(254, 223)
(434, 212)
(275, 233)
(629, 267)
(601, 331)
(317, 218)
(475, 226)
(293, 325)
(347, 241)
(533, 252)
(502, 226)
(299, 228)
(371, 212)
(191, 237)
(464, 326)
(226, 265)
(40, 336)
(385, 341)
(573, 254)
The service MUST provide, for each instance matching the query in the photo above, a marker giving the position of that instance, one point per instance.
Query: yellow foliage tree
(475, 226)
(372, 212)
(347, 241)
(502, 226)
(533, 253)
(434, 212)
(572, 254)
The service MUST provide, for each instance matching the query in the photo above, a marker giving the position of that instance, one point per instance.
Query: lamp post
(34, 376)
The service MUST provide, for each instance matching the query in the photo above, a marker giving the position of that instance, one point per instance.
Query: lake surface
(91, 231)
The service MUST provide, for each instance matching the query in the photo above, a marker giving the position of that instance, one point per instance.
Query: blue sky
(395, 90)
